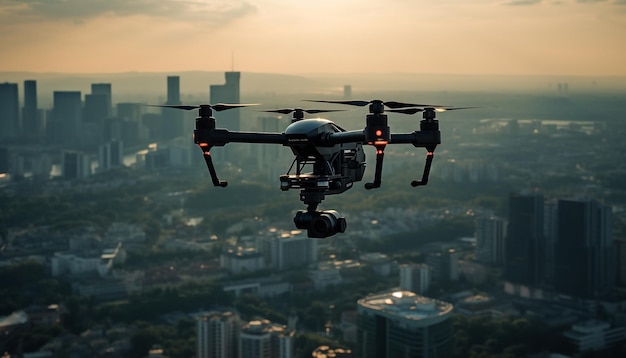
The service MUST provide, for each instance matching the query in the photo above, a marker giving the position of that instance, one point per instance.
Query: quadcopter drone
(328, 159)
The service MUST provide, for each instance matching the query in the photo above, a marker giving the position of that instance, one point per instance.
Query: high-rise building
(228, 93)
(584, 260)
(490, 240)
(267, 155)
(75, 165)
(66, 117)
(32, 124)
(217, 335)
(347, 92)
(403, 324)
(110, 155)
(525, 242)
(620, 262)
(415, 278)
(9, 111)
(104, 89)
(444, 265)
(263, 339)
(5, 166)
(172, 118)
(293, 250)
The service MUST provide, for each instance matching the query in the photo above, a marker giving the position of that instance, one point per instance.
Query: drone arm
(428, 139)
(346, 137)
(220, 137)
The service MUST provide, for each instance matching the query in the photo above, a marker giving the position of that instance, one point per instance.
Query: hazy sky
(556, 37)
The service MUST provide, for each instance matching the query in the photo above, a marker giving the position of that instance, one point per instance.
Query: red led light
(379, 133)
(204, 144)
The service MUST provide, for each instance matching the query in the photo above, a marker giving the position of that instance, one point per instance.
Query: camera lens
(320, 224)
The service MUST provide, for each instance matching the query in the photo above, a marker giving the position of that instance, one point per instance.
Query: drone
(328, 159)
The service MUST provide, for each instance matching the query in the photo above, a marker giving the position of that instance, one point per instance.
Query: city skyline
(519, 37)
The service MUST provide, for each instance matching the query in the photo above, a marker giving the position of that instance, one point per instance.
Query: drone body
(328, 159)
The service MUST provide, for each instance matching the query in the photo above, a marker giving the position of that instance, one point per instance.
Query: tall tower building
(403, 324)
(173, 124)
(584, 261)
(32, 125)
(9, 111)
(293, 250)
(75, 165)
(228, 93)
(104, 89)
(490, 240)
(525, 242)
(66, 117)
(217, 335)
(415, 278)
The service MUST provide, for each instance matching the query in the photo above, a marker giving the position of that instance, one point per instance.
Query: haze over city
(120, 238)
(513, 37)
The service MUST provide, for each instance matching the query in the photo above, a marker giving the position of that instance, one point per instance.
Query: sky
(516, 37)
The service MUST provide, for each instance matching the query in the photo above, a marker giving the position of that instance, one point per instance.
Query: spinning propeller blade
(390, 104)
(216, 107)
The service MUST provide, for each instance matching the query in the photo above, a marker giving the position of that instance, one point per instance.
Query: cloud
(522, 2)
(213, 12)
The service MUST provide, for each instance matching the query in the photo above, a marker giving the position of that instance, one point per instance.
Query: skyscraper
(584, 261)
(66, 117)
(104, 89)
(9, 111)
(415, 278)
(228, 93)
(32, 125)
(525, 242)
(75, 165)
(490, 240)
(217, 335)
(403, 324)
(172, 118)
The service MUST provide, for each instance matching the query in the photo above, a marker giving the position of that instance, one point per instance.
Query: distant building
(620, 262)
(403, 324)
(172, 118)
(326, 352)
(32, 121)
(110, 155)
(490, 240)
(217, 335)
(9, 111)
(66, 117)
(263, 339)
(228, 93)
(347, 92)
(584, 262)
(238, 260)
(104, 89)
(594, 335)
(525, 244)
(444, 265)
(75, 165)
(292, 250)
(415, 278)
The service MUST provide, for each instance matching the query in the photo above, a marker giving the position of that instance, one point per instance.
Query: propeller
(309, 111)
(298, 113)
(216, 107)
(434, 108)
(390, 104)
